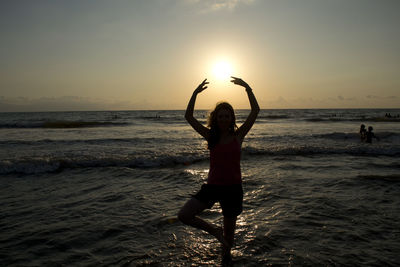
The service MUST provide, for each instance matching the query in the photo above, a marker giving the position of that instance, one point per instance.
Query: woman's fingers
(202, 86)
(204, 83)
(238, 81)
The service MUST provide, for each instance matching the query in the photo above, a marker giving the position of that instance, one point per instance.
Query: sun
(222, 70)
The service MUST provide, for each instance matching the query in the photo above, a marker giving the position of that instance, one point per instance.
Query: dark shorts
(230, 197)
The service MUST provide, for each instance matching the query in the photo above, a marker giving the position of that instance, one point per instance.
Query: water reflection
(200, 174)
(200, 249)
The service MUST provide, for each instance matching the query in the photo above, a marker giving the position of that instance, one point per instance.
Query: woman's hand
(201, 87)
(246, 126)
(240, 82)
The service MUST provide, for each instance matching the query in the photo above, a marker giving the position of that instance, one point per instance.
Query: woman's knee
(189, 211)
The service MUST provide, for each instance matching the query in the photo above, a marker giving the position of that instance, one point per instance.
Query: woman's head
(221, 119)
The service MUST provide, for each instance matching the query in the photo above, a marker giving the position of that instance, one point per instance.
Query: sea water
(104, 188)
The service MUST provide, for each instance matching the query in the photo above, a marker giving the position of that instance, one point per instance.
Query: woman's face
(224, 119)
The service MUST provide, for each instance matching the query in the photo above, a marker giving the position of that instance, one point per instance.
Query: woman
(363, 132)
(224, 182)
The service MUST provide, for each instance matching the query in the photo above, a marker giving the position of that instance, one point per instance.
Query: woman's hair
(212, 123)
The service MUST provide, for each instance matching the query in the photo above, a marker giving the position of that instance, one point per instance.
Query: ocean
(103, 189)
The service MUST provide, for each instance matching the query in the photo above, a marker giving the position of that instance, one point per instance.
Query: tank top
(225, 164)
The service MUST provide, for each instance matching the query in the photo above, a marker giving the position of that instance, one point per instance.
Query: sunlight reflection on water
(202, 173)
(200, 249)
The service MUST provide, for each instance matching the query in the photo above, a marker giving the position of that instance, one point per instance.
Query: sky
(60, 55)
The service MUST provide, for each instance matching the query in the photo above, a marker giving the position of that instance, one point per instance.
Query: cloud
(381, 97)
(341, 98)
(216, 5)
(279, 102)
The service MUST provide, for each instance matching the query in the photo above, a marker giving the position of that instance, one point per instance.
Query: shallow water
(108, 195)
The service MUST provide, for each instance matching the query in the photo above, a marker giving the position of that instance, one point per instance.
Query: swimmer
(363, 132)
(369, 135)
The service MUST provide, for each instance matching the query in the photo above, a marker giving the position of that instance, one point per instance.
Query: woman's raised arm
(202, 130)
(246, 126)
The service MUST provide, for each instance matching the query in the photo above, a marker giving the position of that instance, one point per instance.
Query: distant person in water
(369, 135)
(363, 132)
(224, 184)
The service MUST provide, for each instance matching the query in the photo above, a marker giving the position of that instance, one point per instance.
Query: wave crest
(48, 165)
(62, 124)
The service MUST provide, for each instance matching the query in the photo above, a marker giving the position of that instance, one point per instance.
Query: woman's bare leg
(188, 215)
(229, 234)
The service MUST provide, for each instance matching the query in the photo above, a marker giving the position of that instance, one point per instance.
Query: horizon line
(126, 110)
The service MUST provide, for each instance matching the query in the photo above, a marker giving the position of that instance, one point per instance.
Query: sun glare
(222, 70)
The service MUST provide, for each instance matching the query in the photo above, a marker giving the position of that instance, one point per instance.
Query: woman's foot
(227, 259)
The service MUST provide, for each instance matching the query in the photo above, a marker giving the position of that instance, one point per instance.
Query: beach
(103, 189)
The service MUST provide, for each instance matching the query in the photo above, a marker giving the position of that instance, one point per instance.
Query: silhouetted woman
(224, 182)
(363, 132)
